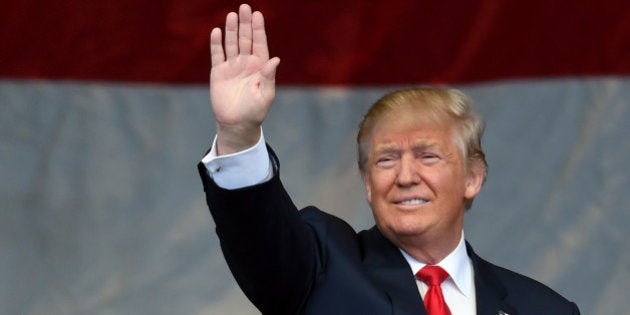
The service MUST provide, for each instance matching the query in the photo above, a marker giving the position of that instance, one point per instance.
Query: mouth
(412, 202)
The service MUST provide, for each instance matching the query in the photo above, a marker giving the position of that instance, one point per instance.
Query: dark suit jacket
(308, 262)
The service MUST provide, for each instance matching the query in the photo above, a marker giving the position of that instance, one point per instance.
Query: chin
(406, 229)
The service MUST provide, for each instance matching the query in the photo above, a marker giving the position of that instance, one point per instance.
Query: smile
(415, 201)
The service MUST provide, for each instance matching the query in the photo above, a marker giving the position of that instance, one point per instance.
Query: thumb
(268, 73)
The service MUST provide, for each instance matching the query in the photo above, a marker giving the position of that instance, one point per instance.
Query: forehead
(409, 127)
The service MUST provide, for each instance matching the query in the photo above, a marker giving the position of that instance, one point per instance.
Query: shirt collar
(457, 264)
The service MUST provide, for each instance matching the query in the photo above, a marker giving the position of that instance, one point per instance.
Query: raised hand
(242, 80)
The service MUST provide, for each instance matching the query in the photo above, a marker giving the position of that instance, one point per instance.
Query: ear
(474, 181)
(366, 182)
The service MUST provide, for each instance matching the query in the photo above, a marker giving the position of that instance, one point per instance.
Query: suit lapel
(386, 266)
(490, 292)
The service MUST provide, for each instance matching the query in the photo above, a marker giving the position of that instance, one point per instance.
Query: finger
(245, 29)
(231, 35)
(259, 44)
(216, 48)
(268, 73)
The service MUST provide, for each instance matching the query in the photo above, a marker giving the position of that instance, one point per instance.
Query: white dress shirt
(459, 288)
(253, 166)
(240, 169)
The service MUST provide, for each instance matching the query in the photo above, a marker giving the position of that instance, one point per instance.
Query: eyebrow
(423, 144)
(387, 148)
(418, 145)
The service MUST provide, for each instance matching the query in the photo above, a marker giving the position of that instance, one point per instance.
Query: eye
(386, 161)
(429, 158)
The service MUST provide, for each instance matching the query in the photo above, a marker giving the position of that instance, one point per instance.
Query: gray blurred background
(103, 211)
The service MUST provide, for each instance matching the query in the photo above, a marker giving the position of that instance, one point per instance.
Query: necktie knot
(434, 302)
(432, 275)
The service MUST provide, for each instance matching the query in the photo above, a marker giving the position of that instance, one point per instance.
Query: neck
(429, 251)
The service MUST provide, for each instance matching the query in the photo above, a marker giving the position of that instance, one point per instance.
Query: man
(421, 161)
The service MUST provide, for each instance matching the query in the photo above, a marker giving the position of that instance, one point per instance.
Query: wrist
(236, 139)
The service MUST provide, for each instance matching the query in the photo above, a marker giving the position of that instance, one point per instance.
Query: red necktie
(433, 299)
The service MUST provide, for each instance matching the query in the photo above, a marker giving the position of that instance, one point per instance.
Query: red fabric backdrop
(320, 42)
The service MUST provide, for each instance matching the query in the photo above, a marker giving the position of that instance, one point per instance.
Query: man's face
(416, 181)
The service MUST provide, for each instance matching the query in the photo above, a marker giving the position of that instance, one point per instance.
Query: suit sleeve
(271, 252)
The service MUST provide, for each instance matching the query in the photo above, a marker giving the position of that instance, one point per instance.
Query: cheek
(450, 183)
(377, 185)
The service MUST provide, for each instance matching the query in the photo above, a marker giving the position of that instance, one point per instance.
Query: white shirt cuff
(241, 169)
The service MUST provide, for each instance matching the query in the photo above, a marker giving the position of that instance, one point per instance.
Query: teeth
(413, 201)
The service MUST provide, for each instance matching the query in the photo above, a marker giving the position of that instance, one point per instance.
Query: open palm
(242, 79)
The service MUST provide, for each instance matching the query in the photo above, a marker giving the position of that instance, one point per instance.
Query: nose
(408, 174)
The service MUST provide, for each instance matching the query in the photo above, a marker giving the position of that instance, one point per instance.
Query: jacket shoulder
(525, 294)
